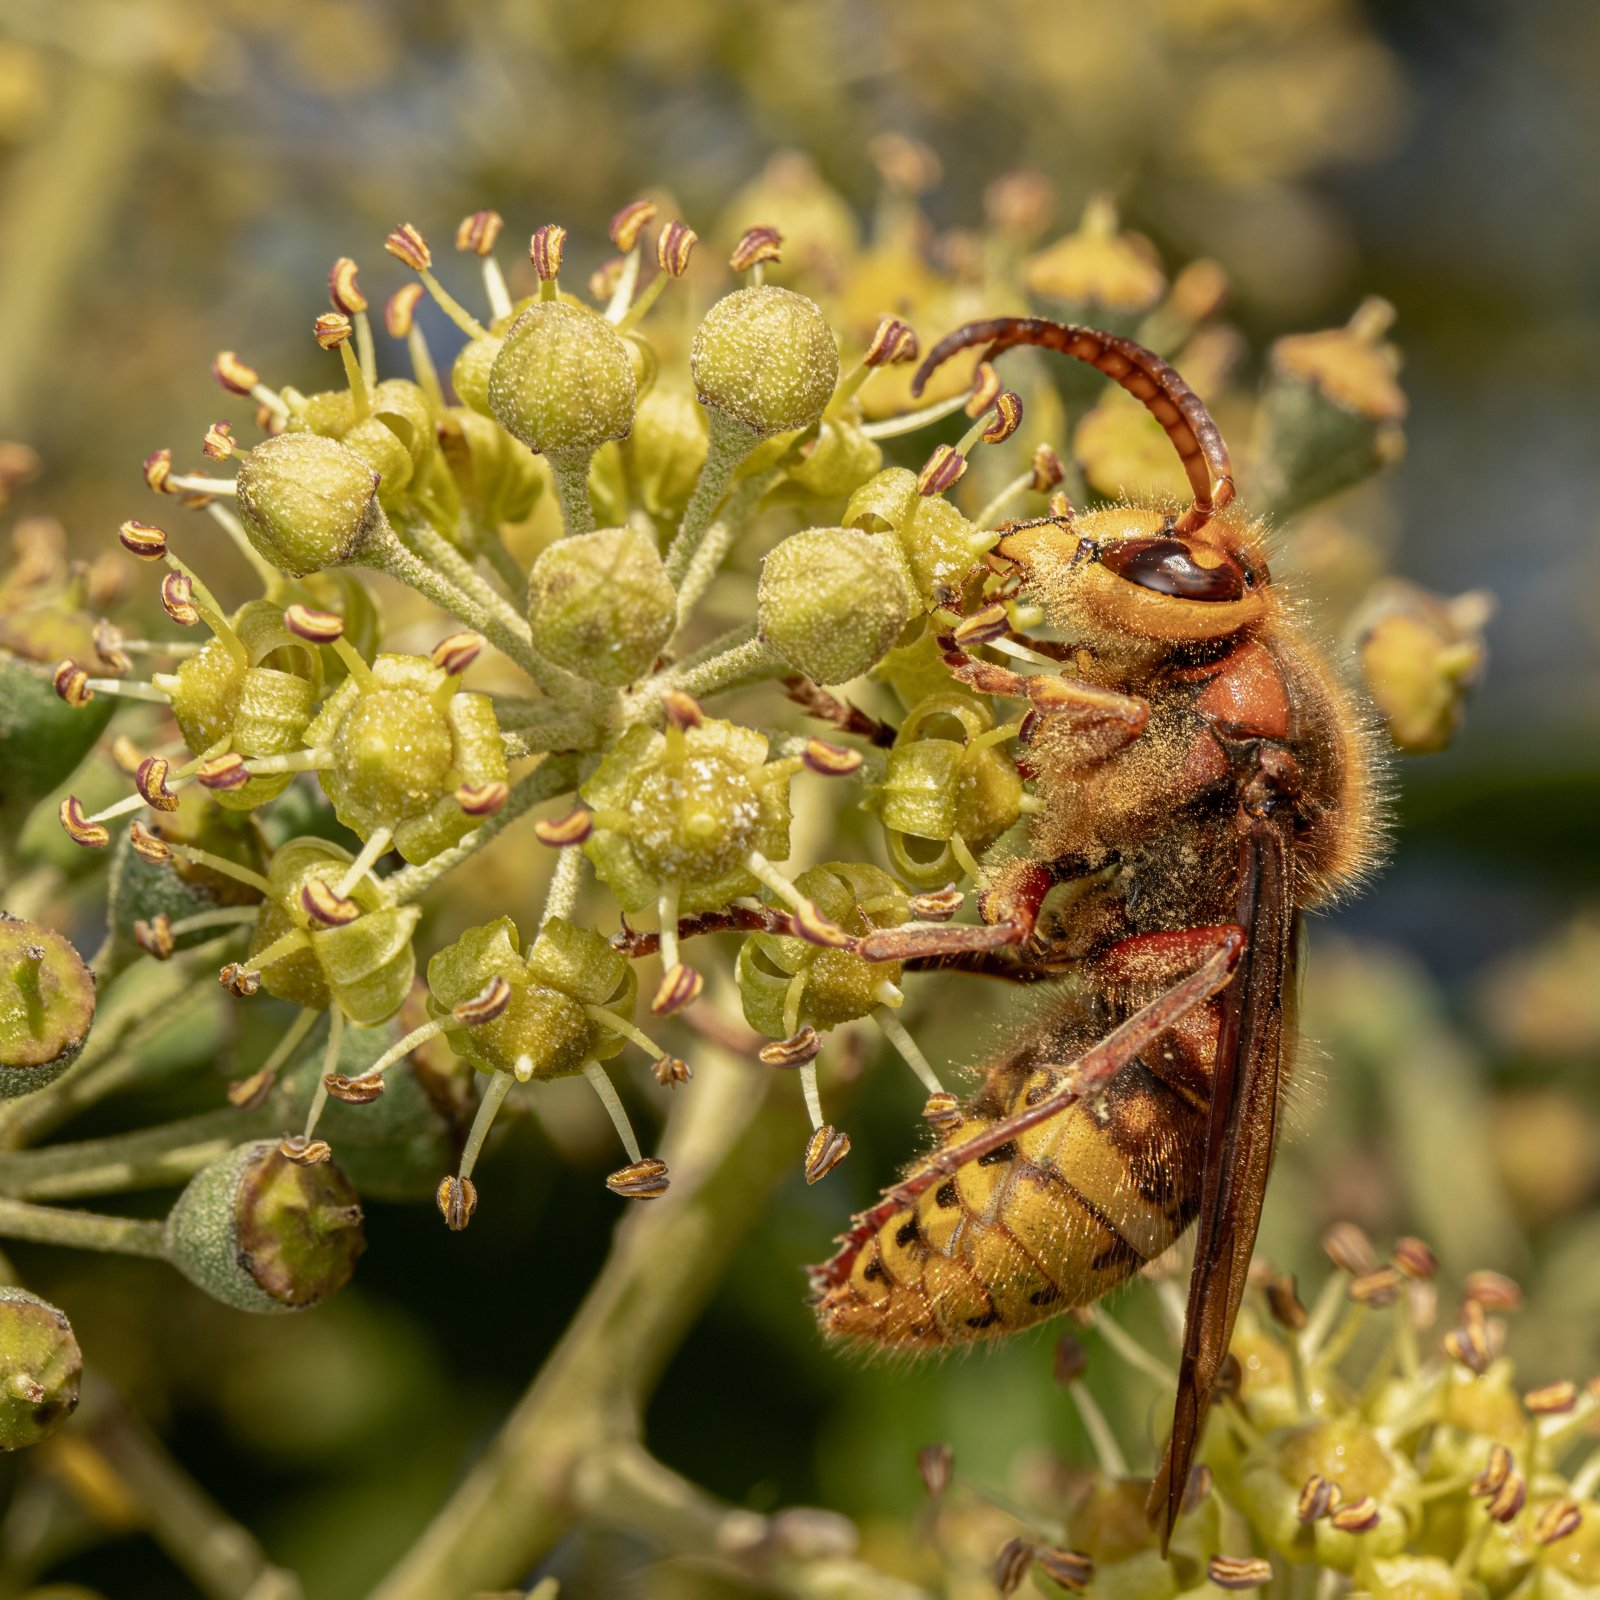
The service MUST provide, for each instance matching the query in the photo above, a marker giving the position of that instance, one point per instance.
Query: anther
(234, 376)
(482, 799)
(319, 627)
(825, 1149)
(943, 470)
(177, 599)
(1007, 418)
(407, 244)
(250, 1094)
(983, 627)
(559, 832)
(892, 341)
(942, 1111)
(219, 442)
(680, 986)
(830, 760)
(353, 1091)
(400, 311)
(986, 389)
(1283, 1300)
(320, 903)
(154, 937)
(1377, 1288)
(682, 710)
(457, 1199)
(1552, 1399)
(630, 222)
(1319, 1496)
(1012, 1564)
(1494, 1291)
(457, 651)
(792, 1052)
(72, 684)
(545, 250)
(1070, 1361)
(343, 290)
(1239, 1572)
(640, 1180)
(1359, 1516)
(148, 846)
(239, 980)
(1508, 1500)
(936, 1466)
(487, 1004)
(814, 928)
(1073, 1570)
(1415, 1259)
(1047, 470)
(674, 247)
(476, 233)
(331, 329)
(151, 782)
(224, 772)
(142, 540)
(1559, 1520)
(158, 470)
(1496, 1470)
(126, 754)
(305, 1152)
(1349, 1249)
(937, 905)
(1469, 1344)
(756, 245)
(670, 1071)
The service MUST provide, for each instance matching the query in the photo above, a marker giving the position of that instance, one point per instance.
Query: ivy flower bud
(787, 984)
(563, 382)
(402, 741)
(683, 811)
(548, 1027)
(306, 502)
(601, 604)
(765, 358)
(469, 372)
(40, 1367)
(47, 998)
(260, 1232)
(829, 603)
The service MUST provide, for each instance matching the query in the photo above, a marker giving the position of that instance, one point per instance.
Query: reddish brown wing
(1243, 1129)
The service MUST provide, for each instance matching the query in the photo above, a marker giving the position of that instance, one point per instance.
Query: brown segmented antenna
(1145, 376)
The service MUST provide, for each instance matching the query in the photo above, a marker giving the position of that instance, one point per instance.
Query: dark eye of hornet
(1168, 567)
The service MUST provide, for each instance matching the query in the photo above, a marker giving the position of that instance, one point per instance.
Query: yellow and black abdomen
(1055, 1218)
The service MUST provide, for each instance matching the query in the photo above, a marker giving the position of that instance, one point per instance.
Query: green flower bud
(469, 374)
(40, 1366)
(383, 451)
(834, 986)
(601, 605)
(685, 809)
(330, 413)
(403, 740)
(666, 450)
(307, 502)
(833, 465)
(395, 1147)
(938, 545)
(403, 408)
(260, 1232)
(140, 891)
(947, 776)
(365, 967)
(765, 359)
(829, 603)
(545, 1031)
(564, 381)
(42, 738)
(46, 1006)
(499, 481)
(1413, 1578)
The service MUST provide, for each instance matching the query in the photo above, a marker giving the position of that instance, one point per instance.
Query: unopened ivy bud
(476, 233)
(343, 289)
(261, 1232)
(47, 999)
(307, 503)
(563, 382)
(400, 310)
(545, 250)
(630, 222)
(601, 604)
(764, 358)
(756, 245)
(830, 604)
(674, 247)
(40, 1368)
(892, 342)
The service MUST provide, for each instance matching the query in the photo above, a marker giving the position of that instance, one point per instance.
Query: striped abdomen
(1056, 1218)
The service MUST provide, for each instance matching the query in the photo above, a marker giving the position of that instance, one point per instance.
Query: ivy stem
(80, 1230)
(570, 469)
(730, 443)
(745, 663)
(712, 551)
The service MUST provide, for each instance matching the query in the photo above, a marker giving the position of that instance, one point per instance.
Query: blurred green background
(175, 178)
